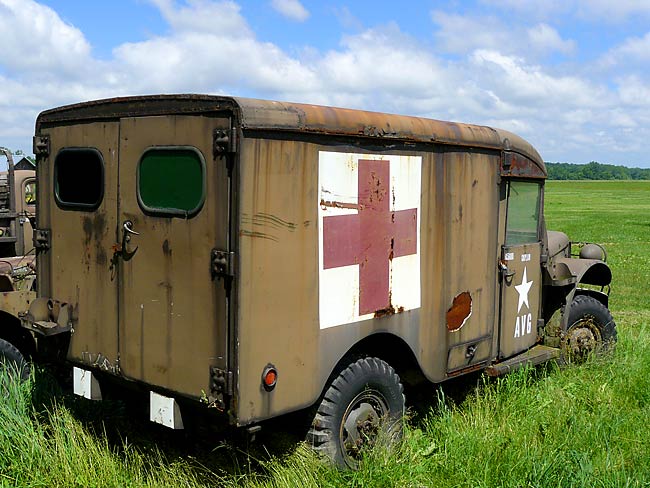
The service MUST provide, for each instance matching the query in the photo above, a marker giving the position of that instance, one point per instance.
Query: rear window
(171, 181)
(79, 178)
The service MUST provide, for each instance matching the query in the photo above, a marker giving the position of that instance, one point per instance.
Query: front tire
(364, 403)
(591, 329)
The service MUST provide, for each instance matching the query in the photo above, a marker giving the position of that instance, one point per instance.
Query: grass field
(582, 426)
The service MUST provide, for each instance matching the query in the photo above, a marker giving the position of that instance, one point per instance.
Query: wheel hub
(361, 424)
(583, 338)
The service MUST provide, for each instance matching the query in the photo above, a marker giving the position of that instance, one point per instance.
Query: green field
(581, 426)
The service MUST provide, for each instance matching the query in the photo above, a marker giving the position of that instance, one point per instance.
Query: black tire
(12, 360)
(364, 403)
(591, 329)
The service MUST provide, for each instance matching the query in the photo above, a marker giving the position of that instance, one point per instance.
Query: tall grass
(580, 426)
(44, 445)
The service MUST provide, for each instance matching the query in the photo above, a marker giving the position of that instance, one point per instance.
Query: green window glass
(171, 181)
(523, 212)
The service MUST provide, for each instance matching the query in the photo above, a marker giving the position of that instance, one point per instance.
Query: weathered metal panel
(280, 314)
(521, 298)
(277, 277)
(471, 251)
(78, 261)
(172, 314)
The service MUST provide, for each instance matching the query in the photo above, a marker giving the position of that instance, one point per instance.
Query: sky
(570, 76)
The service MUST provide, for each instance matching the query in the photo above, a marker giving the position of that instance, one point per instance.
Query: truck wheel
(591, 329)
(12, 360)
(364, 403)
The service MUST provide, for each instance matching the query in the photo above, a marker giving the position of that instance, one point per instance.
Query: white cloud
(633, 51)
(291, 9)
(530, 86)
(634, 92)
(347, 19)
(612, 11)
(35, 40)
(545, 38)
(221, 18)
(461, 34)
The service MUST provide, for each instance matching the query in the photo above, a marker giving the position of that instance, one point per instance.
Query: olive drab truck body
(17, 206)
(17, 274)
(243, 253)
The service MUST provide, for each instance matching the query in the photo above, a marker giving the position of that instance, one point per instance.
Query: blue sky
(570, 76)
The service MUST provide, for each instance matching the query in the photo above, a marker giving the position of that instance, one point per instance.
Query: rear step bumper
(535, 355)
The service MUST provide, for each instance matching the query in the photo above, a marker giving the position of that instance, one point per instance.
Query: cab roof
(266, 115)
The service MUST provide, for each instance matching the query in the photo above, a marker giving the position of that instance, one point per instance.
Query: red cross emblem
(372, 237)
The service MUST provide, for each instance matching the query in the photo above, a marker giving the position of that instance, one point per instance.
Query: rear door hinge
(225, 144)
(221, 386)
(222, 264)
(225, 141)
(41, 146)
(42, 239)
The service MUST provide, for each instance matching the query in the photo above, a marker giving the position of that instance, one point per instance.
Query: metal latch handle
(506, 272)
(126, 238)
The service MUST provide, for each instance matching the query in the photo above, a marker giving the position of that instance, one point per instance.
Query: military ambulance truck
(17, 206)
(265, 257)
(17, 274)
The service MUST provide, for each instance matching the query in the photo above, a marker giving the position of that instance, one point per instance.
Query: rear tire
(363, 404)
(13, 362)
(591, 329)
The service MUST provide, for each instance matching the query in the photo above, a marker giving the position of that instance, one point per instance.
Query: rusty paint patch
(326, 203)
(385, 312)
(459, 312)
(390, 309)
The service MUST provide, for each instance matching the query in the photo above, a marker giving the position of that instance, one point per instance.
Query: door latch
(121, 250)
(127, 231)
(506, 273)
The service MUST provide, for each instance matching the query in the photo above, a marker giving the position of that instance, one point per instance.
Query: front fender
(567, 274)
(586, 271)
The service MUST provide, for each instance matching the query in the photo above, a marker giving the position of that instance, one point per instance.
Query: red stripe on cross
(372, 237)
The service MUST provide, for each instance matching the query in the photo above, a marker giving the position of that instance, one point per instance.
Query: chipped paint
(459, 312)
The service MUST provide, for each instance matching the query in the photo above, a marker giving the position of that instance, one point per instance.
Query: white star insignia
(523, 290)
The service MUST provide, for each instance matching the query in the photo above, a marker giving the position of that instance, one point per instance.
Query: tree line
(595, 171)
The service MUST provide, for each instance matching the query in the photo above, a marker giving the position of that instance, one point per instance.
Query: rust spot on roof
(459, 312)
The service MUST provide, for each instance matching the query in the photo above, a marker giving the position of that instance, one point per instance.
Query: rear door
(172, 212)
(77, 201)
(521, 280)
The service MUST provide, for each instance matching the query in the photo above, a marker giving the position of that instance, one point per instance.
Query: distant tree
(595, 171)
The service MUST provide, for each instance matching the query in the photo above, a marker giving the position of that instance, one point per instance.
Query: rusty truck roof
(256, 114)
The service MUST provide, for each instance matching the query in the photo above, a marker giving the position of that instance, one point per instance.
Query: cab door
(521, 278)
(172, 212)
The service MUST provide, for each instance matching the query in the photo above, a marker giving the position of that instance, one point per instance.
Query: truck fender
(386, 346)
(581, 271)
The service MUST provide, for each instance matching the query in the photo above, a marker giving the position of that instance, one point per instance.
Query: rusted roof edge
(296, 117)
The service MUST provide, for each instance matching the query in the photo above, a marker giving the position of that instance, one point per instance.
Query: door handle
(506, 273)
(127, 232)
